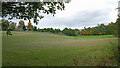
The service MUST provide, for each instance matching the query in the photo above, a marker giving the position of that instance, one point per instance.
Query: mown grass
(92, 36)
(44, 49)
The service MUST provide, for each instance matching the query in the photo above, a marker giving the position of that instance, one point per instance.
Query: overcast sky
(81, 13)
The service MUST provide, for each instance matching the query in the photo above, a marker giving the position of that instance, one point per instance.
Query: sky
(79, 14)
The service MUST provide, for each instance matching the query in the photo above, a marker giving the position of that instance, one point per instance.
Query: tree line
(100, 29)
(33, 10)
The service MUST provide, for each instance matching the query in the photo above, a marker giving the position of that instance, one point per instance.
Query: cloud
(80, 14)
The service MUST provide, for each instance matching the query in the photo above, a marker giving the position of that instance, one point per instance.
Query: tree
(95, 31)
(34, 28)
(76, 31)
(45, 30)
(110, 28)
(21, 25)
(90, 31)
(29, 26)
(30, 10)
(50, 30)
(12, 26)
(104, 30)
(81, 32)
(8, 32)
(5, 24)
(38, 29)
(86, 32)
(57, 31)
(69, 32)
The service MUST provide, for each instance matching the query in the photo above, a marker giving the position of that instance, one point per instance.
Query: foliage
(13, 26)
(57, 30)
(29, 25)
(21, 25)
(76, 31)
(99, 30)
(69, 32)
(51, 30)
(5, 24)
(8, 32)
(30, 10)
(34, 28)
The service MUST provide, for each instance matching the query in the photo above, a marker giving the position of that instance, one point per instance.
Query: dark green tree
(69, 32)
(5, 24)
(34, 28)
(8, 32)
(95, 31)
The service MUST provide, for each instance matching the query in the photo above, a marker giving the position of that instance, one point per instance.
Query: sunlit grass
(92, 36)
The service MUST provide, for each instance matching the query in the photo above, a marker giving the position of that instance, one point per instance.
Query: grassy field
(45, 49)
(92, 36)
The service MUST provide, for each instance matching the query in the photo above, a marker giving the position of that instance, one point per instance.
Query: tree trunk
(29, 20)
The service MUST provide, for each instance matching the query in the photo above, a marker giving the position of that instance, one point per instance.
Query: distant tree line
(111, 28)
(100, 29)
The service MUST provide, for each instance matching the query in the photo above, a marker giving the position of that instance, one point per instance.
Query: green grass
(45, 49)
(92, 36)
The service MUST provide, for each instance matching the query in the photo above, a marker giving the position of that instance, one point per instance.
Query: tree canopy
(5, 24)
(30, 10)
